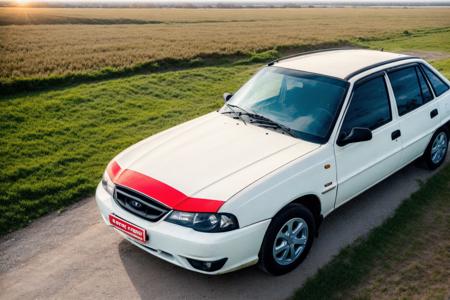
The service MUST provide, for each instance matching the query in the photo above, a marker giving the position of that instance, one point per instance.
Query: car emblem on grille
(136, 204)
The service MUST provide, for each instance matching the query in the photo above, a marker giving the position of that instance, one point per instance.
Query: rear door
(361, 165)
(418, 112)
(441, 91)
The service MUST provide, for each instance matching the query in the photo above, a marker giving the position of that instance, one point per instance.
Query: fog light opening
(207, 266)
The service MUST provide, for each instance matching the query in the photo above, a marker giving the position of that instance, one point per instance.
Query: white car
(252, 181)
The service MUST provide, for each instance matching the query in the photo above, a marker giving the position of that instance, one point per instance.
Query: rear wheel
(436, 151)
(288, 240)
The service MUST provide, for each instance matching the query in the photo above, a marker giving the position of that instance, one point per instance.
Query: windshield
(306, 103)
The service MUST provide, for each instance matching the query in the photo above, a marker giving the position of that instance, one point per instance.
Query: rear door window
(407, 89)
(439, 86)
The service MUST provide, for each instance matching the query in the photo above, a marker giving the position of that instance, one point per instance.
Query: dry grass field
(39, 16)
(71, 41)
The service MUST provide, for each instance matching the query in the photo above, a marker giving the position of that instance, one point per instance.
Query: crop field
(42, 42)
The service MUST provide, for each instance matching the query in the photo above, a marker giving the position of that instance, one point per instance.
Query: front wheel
(436, 151)
(288, 240)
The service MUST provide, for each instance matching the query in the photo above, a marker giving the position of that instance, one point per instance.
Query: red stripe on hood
(113, 170)
(160, 191)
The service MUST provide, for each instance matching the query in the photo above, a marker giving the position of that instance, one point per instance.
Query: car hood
(213, 156)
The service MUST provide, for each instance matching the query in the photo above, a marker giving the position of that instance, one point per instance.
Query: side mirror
(356, 135)
(227, 96)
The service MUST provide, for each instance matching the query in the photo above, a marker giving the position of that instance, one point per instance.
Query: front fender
(304, 176)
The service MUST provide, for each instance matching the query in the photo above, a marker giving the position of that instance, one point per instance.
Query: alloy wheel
(439, 148)
(290, 241)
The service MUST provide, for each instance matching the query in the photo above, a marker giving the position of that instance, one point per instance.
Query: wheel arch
(311, 202)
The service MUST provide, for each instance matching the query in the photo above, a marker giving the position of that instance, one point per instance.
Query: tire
(271, 259)
(436, 151)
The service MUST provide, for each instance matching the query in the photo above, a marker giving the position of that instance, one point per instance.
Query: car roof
(340, 63)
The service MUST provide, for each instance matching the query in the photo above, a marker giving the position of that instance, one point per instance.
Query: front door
(363, 164)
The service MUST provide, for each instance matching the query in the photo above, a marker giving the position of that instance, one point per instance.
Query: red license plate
(134, 231)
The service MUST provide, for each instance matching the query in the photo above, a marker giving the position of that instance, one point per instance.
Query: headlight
(206, 222)
(107, 183)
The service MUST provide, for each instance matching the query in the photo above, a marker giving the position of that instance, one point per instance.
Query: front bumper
(175, 243)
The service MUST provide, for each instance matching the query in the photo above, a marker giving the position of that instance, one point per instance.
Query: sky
(296, 1)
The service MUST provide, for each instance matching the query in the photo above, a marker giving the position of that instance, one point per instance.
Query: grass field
(55, 144)
(427, 40)
(84, 41)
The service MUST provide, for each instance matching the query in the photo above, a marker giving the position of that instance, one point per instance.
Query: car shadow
(154, 278)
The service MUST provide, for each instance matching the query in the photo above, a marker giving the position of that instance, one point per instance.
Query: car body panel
(305, 176)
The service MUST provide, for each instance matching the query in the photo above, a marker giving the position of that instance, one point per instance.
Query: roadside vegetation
(56, 144)
(408, 257)
(75, 43)
(434, 40)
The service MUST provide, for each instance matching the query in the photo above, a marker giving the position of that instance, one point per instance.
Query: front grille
(139, 204)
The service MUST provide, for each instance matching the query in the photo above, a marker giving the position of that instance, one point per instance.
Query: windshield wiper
(266, 122)
(259, 119)
(238, 114)
(230, 106)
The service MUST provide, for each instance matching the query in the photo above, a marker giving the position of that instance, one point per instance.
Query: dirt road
(73, 255)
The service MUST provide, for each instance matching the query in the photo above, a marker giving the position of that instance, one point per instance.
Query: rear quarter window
(439, 86)
(426, 92)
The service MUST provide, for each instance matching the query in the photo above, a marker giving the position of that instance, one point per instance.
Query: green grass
(407, 257)
(423, 40)
(434, 40)
(443, 66)
(55, 145)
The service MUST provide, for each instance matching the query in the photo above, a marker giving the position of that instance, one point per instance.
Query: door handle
(396, 134)
(434, 113)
